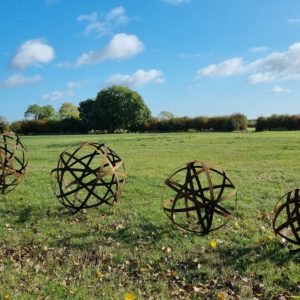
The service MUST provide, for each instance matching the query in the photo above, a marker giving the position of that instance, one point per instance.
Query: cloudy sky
(189, 57)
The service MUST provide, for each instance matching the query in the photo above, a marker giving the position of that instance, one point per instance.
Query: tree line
(119, 109)
(278, 122)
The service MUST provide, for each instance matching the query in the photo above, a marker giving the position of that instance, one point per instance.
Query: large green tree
(87, 113)
(119, 107)
(165, 115)
(33, 111)
(68, 111)
(40, 112)
(47, 112)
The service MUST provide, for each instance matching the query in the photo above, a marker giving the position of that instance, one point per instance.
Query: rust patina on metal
(13, 163)
(286, 222)
(87, 175)
(198, 192)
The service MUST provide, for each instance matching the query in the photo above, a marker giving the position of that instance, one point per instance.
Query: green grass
(133, 246)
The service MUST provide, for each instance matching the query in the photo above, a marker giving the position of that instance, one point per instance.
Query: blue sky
(189, 57)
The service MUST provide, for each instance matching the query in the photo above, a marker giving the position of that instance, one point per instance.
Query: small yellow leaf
(259, 294)
(173, 273)
(222, 296)
(214, 244)
(270, 237)
(237, 226)
(7, 297)
(99, 274)
(129, 296)
(144, 270)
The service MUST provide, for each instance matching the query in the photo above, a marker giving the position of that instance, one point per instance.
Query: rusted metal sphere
(87, 175)
(286, 222)
(194, 202)
(13, 163)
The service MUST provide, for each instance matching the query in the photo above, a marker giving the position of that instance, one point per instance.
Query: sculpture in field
(197, 192)
(286, 222)
(13, 163)
(87, 175)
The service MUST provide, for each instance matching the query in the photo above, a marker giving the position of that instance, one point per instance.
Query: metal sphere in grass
(87, 175)
(13, 163)
(197, 192)
(286, 222)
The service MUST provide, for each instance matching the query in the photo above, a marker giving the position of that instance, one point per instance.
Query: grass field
(133, 247)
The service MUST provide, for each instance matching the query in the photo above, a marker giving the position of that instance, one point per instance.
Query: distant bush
(238, 122)
(48, 126)
(251, 123)
(221, 123)
(278, 122)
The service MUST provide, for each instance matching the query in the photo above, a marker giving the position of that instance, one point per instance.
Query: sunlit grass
(133, 245)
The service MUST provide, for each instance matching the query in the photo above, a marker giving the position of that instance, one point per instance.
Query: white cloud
(137, 79)
(234, 66)
(121, 46)
(258, 49)
(118, 16)
(276, 89)
(32, 53)
(19, 79)
(74, 85)
(104, 24)
(67, 92)
(90, 18)
(294, 21)
(276, 66)
(176, 2)
(55, 95)
(260, 78)
(93, 25)
(282, 65)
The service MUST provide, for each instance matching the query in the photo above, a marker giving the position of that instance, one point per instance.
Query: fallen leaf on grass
(214, 244)
(263, 215)
(173, 273)
(237, 226)
(258, 290)
(145, 270)
(222, 296)
(63, 283)
(8, 227)
(129, 296)
(197, 289)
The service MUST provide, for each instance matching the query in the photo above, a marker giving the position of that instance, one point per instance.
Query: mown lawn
(133, 247)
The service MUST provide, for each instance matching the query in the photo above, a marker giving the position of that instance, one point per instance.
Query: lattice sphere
(196, 193)
(286, 222)
(87, 175)
(13, 163)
